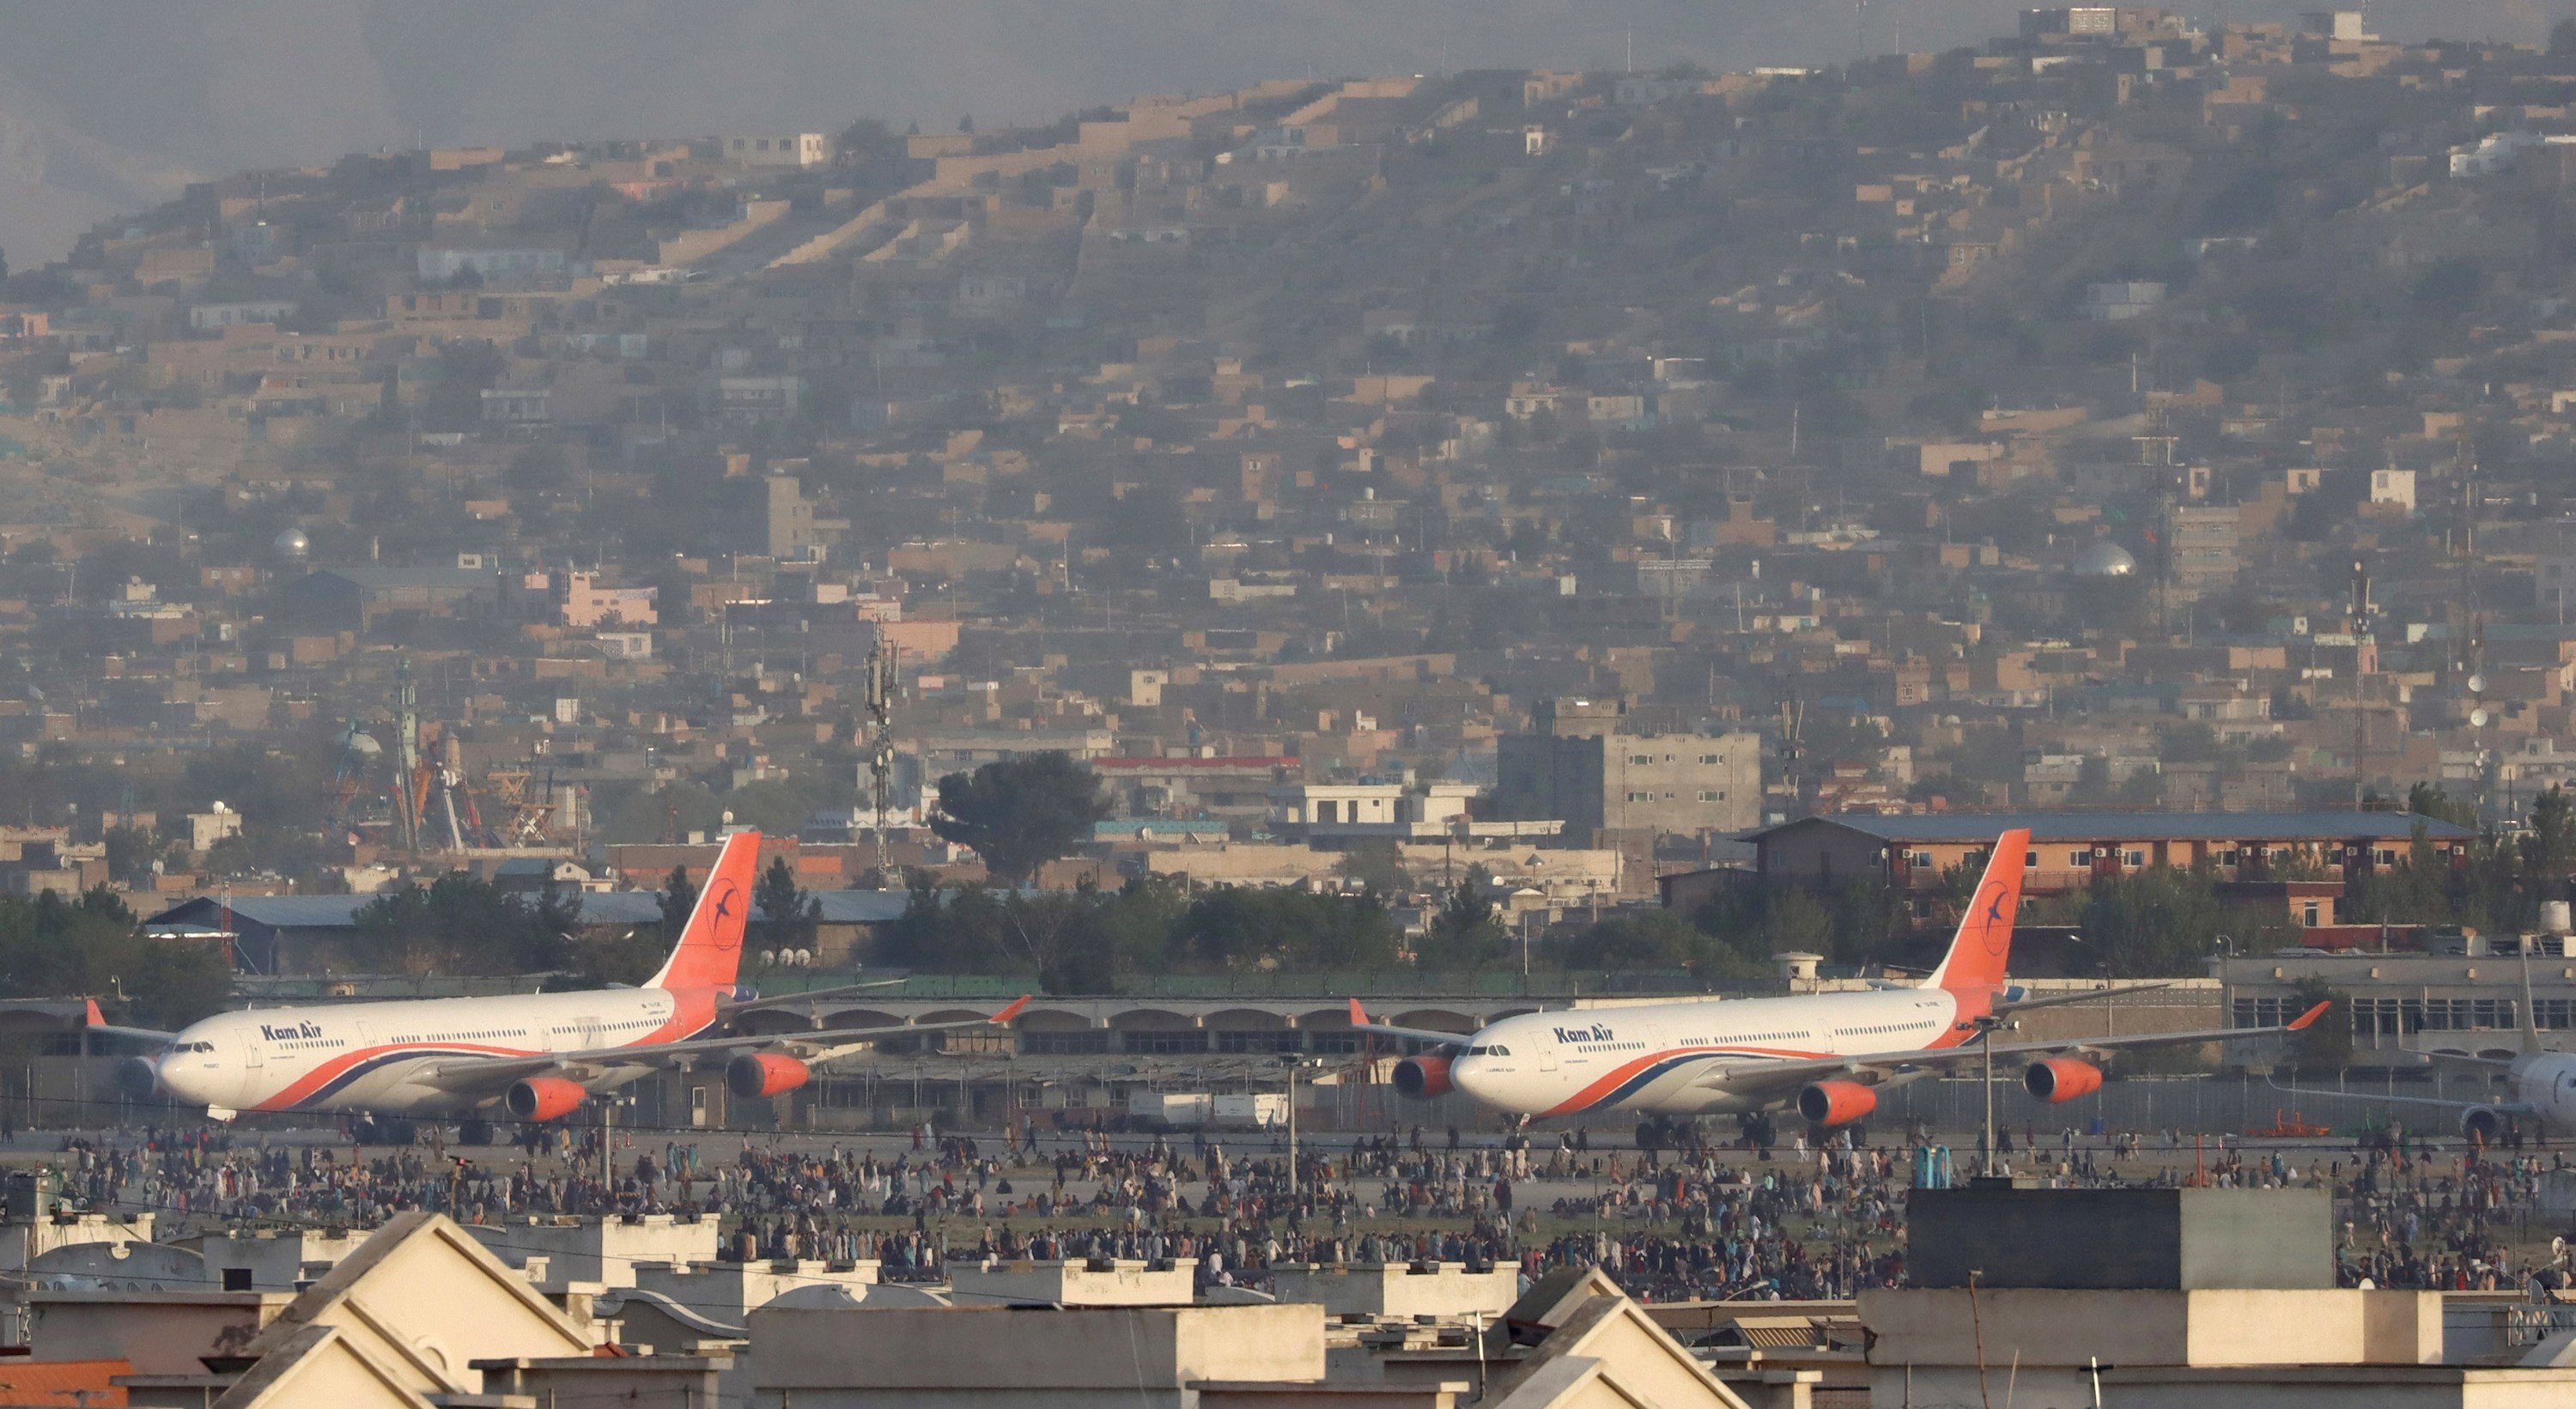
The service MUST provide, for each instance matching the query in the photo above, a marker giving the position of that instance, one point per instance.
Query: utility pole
(1986, 1027)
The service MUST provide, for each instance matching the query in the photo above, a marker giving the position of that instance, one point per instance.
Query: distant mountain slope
(107, 105)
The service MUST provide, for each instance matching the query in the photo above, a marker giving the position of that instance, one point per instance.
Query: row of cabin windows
(2399, 1017)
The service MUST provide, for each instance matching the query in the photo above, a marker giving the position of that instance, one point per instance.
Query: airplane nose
(1473, 1076)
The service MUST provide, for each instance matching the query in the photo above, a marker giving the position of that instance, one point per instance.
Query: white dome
(292, 544)
(2105, 559)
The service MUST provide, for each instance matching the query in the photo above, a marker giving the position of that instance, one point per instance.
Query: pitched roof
(2136, 826)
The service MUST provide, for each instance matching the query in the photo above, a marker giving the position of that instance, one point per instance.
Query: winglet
(94, 1018)
(1010, 1012)
(2300, 1023)
(1359, 1015)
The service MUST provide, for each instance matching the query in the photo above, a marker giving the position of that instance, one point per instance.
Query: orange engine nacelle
(544, 1098)
(1836, 1102)
(765, 1074)
(1421, 1078)
(2062, 1079)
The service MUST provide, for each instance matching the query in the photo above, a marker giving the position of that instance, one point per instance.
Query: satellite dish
(2477, 684)
(2477, 719)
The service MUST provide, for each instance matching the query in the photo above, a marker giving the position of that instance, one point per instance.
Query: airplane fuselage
(1663, 1057)
(381, 1057)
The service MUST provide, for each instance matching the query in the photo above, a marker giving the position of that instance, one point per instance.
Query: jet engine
(1836, 1102)
(2062, 1079)
(544, 1098)
(1421, 1078)
(2483, 1124)
(765, 1074)
(138, 1079)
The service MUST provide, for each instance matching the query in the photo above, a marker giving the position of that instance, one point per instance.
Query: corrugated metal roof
(2137, 826)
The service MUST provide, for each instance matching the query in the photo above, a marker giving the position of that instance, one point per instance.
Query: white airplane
(531, 1056)
(2529, 1085)
(1826, 1056)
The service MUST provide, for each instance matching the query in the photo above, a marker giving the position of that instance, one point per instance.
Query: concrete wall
(160, 1334)
(2119, 1239)
(729, 1291)
(605, 1251)
(1130, 1358)
(1446, 1289)
(1108, 1282)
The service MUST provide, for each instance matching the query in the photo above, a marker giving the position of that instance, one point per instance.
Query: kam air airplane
(530, 1057)
(1825, 1056)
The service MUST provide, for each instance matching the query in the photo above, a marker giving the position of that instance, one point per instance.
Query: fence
(1372, 984)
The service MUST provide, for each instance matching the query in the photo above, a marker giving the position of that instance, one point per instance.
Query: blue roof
(2137, 826)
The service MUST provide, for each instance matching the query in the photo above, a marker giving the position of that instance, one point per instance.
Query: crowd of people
(1689, 1220)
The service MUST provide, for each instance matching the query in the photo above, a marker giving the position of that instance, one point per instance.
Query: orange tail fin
(1978, 953)
(709, 953)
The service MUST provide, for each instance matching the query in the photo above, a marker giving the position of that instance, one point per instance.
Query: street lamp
(1293, 1061)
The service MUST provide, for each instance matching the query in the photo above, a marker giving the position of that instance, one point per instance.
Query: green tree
(789, 914)
(2326, 1044)
(2153, 924)
(1020, 813)
(2549, 845)
(1059, 934)
(56, 948)
(678, 897)
(1374, 864)
(2429, 800)
(1647, 939)
(130, 854)
(1465, 934)
(462, 924)
(629, 958)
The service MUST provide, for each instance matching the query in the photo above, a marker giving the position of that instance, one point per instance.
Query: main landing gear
(383, 1130)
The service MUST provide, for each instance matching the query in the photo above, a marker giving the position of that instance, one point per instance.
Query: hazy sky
(109, 105)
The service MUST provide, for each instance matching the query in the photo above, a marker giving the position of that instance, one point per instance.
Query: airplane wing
(2502, 1107)
(1360, 1023)
(97, 1022)
(2090, 995)
(1759, 1076)
(479, 1075)
(785, 1000)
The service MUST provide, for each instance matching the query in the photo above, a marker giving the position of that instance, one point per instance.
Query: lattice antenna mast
(880, 703)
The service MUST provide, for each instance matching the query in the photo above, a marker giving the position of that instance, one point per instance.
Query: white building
(487, 262)
(207, 316)
(793, 149)
(2121, 301)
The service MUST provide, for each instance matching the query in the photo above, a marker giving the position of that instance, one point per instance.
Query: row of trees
(1089, 939)
(51, 947)
(1085, 940)
(460, 924)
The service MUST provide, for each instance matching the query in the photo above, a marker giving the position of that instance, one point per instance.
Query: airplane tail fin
(1979, 951)
(709, 953)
